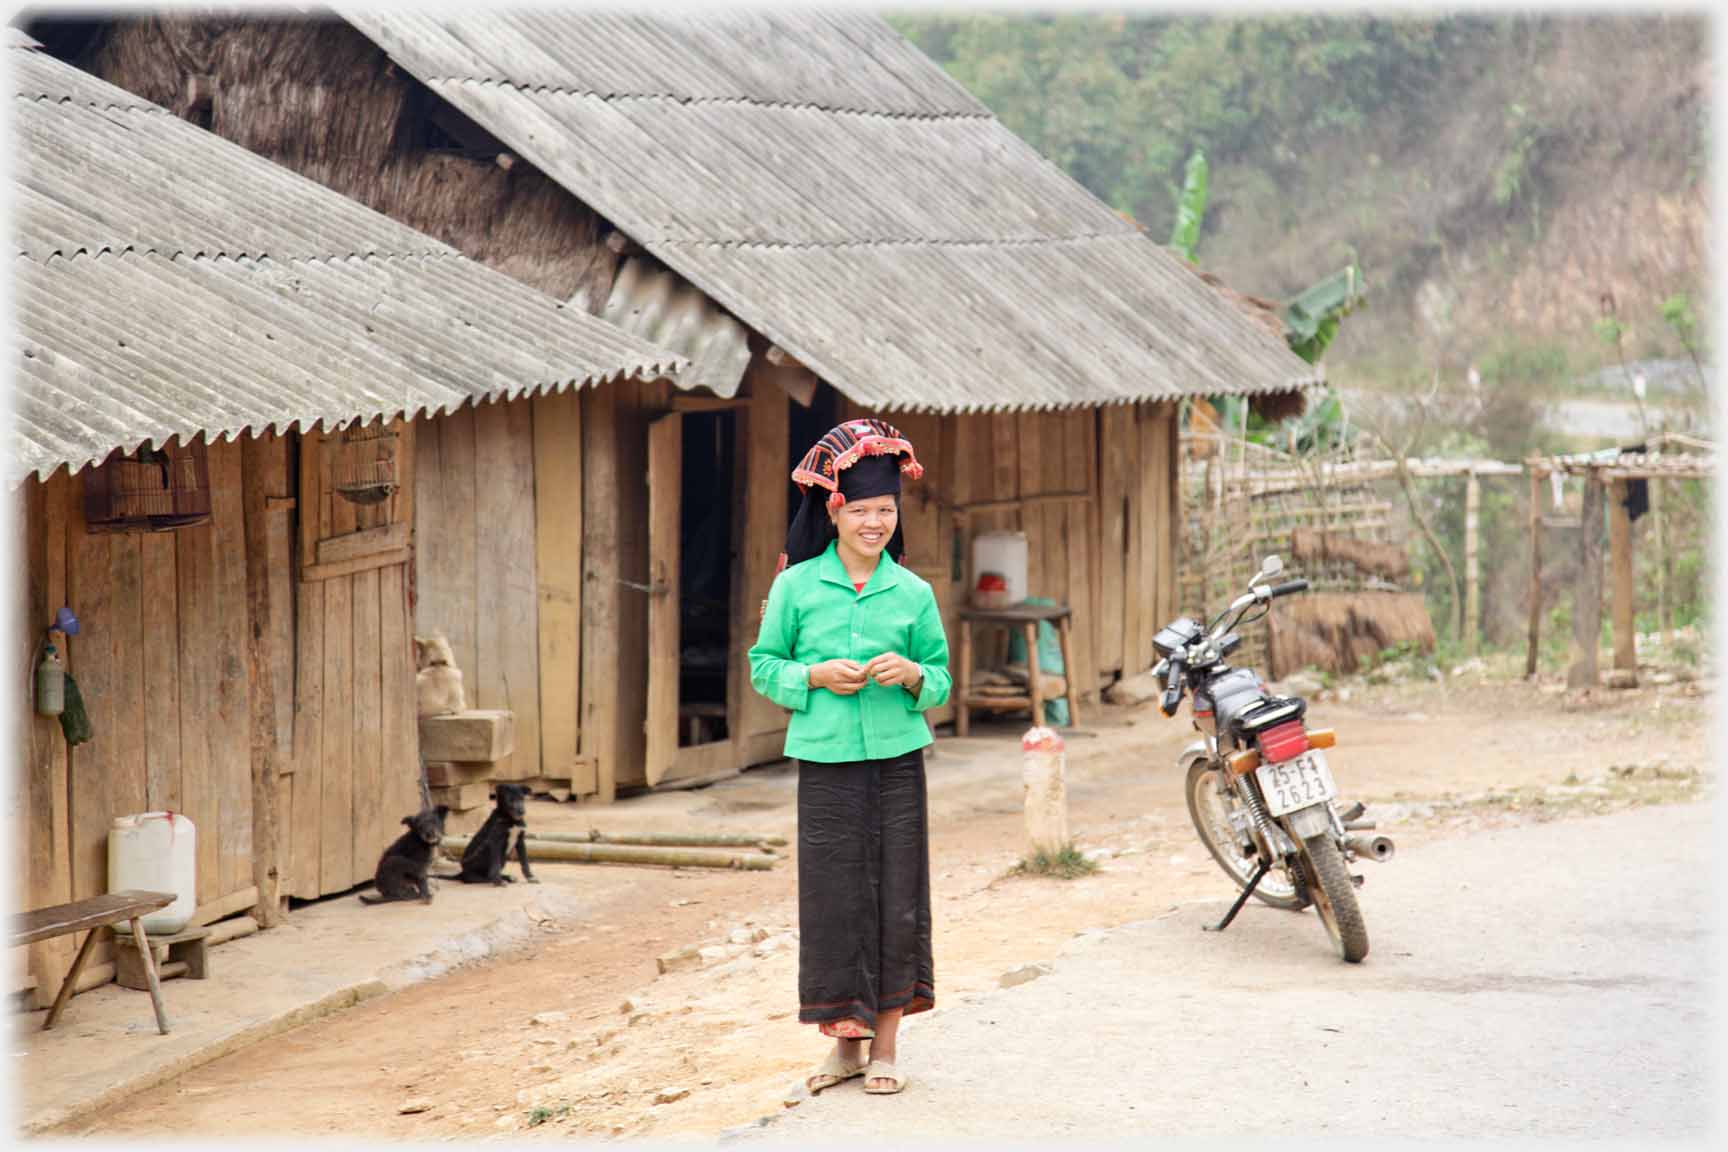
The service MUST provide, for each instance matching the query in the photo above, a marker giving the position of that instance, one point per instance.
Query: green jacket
(815, 615)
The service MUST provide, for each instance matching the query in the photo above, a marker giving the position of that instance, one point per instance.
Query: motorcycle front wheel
(1335, 898)
(1210, 806)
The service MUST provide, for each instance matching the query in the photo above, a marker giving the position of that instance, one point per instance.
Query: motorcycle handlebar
(1172, 689)
(1288, 588)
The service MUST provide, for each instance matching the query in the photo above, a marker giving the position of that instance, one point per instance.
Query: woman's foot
(881, 1054)
(845, 1060)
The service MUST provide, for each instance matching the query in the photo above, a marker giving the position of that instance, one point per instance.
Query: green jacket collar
(886, 576)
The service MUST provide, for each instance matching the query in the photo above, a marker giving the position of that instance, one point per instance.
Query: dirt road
(617, 1050)
(1574, 1003)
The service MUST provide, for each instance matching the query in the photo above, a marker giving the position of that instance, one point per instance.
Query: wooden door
(355, 762)
(665, 508)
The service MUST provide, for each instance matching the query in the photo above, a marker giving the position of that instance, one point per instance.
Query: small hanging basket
(363, 467)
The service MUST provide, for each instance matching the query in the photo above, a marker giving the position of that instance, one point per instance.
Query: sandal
(832, 1071)
(882, 1070)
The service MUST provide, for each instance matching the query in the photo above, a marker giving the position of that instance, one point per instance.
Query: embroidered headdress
(855, 460)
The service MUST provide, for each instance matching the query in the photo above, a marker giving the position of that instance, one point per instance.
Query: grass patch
(543, 1114)
(1068, 864)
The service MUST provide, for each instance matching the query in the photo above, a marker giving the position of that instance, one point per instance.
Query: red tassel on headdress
(836, 500)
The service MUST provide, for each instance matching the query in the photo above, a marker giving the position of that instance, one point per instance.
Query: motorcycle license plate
(1296, 783)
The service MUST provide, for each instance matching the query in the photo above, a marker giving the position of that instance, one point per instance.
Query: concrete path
(1553, 980)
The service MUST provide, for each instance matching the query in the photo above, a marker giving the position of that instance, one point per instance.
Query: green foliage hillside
(1497, 177)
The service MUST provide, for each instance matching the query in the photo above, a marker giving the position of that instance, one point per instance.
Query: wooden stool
(189, 948)
(1026, 617)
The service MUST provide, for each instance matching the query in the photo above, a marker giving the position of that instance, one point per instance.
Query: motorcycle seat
(1265, 713)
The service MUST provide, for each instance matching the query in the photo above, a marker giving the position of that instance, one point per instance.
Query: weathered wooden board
(231, 747)
(367, 782)
(335, 834)
(127, 767)
(507, 656)
(161, 655)
(665, 502)
(601, 589)
(307, 815)
(1079, 547)
(46, 864)
(90, 589)
(558, 572)
(401, 764)
(631, 654)
(449, 576)
(763, 453)
(1115, 422)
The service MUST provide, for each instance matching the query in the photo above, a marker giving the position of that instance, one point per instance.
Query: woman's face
(865, 526)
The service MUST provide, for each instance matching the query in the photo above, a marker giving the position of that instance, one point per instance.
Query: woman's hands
(841, 677)
(891, 668)
(846, 677)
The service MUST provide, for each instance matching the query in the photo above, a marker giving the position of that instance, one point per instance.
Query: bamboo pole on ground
(632, 854)
(663, 839)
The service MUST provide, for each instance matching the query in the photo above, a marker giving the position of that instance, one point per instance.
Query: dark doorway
(706, 527)
(805, 426)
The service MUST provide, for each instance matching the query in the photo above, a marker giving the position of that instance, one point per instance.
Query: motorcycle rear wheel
(1210, 805)
(1335, 898)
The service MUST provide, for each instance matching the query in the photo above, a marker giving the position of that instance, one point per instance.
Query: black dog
(483, 859)
(402, 869)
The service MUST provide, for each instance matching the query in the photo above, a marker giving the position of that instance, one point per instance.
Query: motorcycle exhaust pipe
(1359, 825)
(1376, 848)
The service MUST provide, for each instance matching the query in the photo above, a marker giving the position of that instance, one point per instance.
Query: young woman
(852, 644)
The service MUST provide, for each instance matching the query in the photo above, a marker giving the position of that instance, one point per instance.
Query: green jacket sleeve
(773, 672)
(930, 652)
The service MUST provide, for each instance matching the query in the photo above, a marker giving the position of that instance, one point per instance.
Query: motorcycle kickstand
(1253, 883)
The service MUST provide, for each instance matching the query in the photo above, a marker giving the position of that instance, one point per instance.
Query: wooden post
(1587, 609)
(963, 681)
(1535, 573)
(1664, 565)
(598, 730)
(1620, 558)
(267, 863)
(1472, 574)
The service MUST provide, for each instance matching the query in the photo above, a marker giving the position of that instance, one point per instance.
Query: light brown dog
(438, 682)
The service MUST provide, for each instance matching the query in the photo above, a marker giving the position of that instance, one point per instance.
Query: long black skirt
(863, 890)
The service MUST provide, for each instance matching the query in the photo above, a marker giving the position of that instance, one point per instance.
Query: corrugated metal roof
(831, 187)
(169, 283)
(648, 300)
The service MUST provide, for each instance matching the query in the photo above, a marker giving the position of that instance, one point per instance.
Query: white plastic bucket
(156, 852)
(1003, 552)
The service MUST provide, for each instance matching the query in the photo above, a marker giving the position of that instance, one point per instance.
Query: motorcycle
(1259, 788)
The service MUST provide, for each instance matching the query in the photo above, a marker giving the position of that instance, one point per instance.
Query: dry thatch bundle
(1312, 546)
(1342, 632)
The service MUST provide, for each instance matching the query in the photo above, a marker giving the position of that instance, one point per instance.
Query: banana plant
(1190, 206)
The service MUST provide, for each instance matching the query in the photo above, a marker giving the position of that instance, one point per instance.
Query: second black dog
(483, 859)
(402, 869)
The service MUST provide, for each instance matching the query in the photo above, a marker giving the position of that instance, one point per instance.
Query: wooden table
(1026, 617)
(86, 916)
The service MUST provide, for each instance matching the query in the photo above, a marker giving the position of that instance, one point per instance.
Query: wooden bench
(87, 916)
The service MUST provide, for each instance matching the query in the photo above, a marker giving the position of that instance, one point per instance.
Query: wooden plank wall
(161, 663)
(475, 563)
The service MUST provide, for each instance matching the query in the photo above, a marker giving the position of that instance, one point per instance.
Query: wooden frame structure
(1608, 476)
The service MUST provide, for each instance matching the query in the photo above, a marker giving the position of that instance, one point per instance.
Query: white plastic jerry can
(156, 852)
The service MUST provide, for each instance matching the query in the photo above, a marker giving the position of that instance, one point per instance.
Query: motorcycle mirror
(1269, 567)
